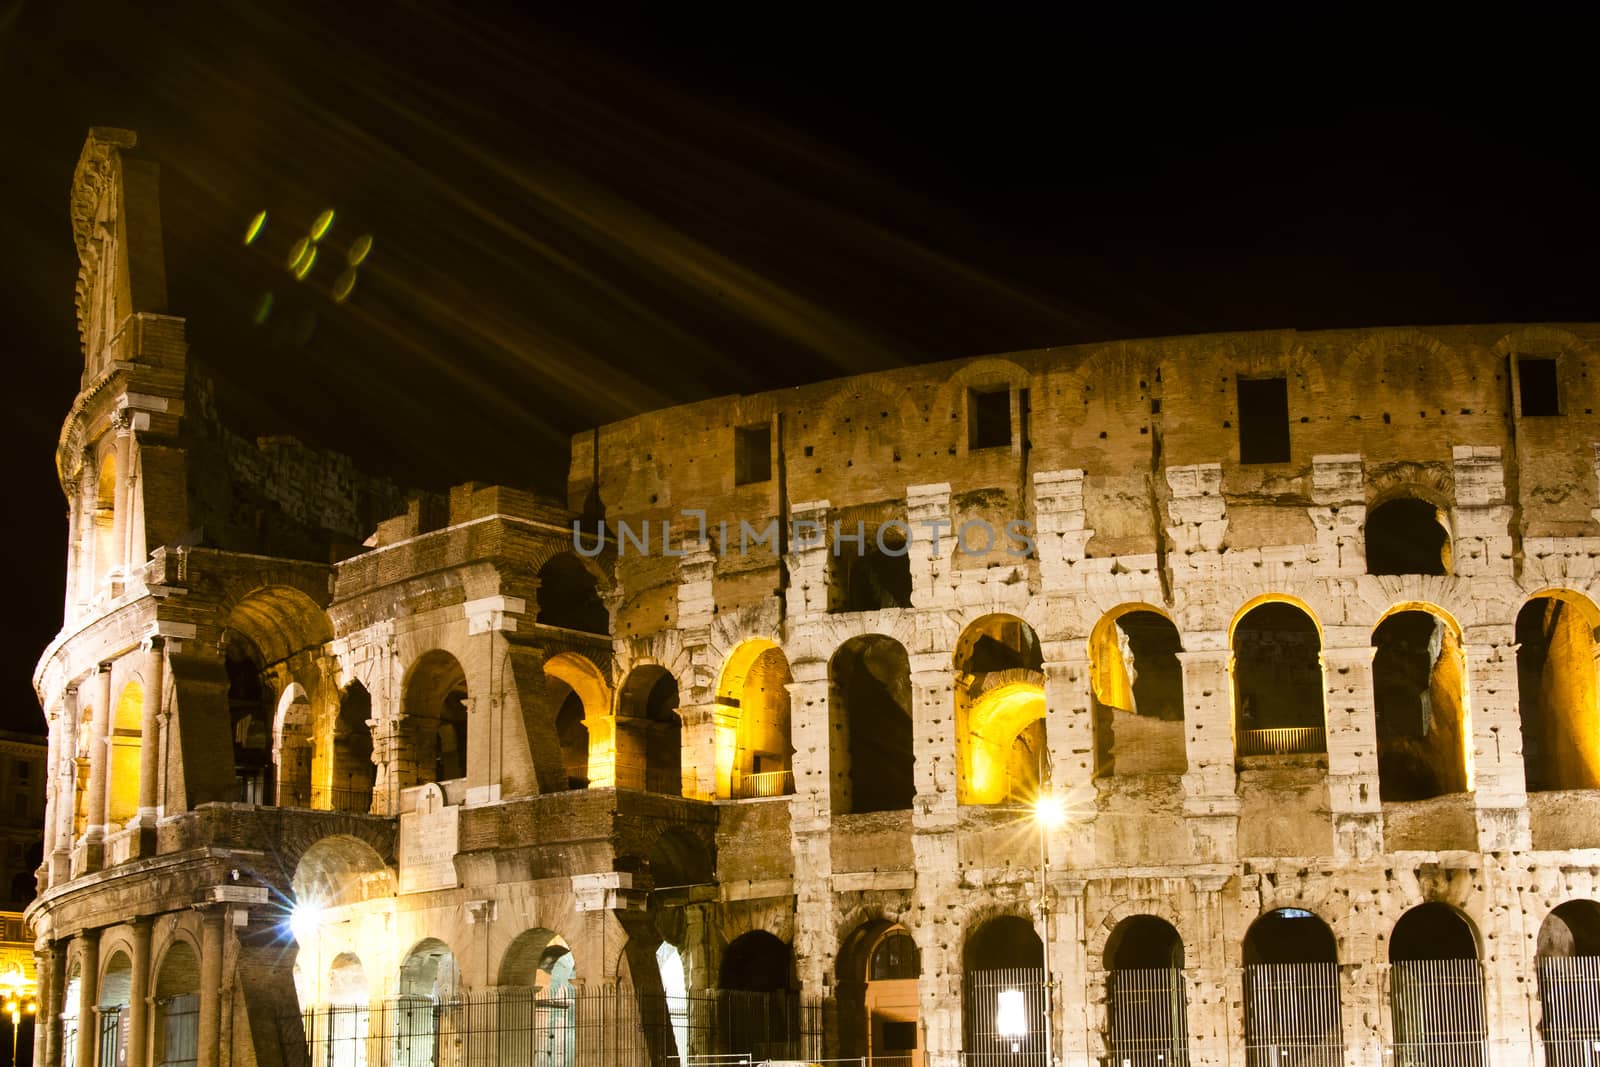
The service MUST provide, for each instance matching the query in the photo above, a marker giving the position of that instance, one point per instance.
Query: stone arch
(1435, 973)
(1099, 936)
(1291, 984)
(871, 755)
(292, 747)
(1558, 698)
(1146, 998)
(538, 959)
(1278, 685)
(429, 971)
(351, 770)
(569, 596)
(584, 727)
(338, 870)
(1568, 961)
(1001, 746)
(175, 988)
(981, 377)
(1414, 357)
(434, 721)
(114, 996)
(649, 732)
(878, 967)
(753, 751)
(347, 982)
(1420, 704)
(106, 551)
(1136, 683)
(1571, 353)
(1002, 955)
(127, 728)
(757, 962)
(1408, 535)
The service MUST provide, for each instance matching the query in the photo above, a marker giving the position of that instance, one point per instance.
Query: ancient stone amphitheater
(1224, 700)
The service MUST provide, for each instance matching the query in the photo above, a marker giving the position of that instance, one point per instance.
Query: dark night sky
(584, 216)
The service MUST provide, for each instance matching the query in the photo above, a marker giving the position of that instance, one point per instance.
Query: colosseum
(1220, 700)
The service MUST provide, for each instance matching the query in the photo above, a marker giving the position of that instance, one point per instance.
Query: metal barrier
(1283, 741)
(1569, 994)
(765, 784)
(1438, 1013)
(1003, 1018)
(1291, 1015)
(1149, 1017)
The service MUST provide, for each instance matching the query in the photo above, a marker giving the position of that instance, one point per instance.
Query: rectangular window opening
(988, 419)
(1540, 395)
(752, 454)
(1263, 420)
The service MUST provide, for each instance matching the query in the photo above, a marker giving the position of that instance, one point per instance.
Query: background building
(1302, 642)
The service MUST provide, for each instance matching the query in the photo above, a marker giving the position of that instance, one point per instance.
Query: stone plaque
(428, 838)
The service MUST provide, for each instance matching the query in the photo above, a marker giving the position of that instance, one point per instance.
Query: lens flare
(254, 229)
(360, 249)
(324, 223)
(263, 309)
(304, 263)
(343, 286)
(298, 252)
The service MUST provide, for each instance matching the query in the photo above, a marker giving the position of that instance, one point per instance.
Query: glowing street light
(19, 1001)
(305, 920)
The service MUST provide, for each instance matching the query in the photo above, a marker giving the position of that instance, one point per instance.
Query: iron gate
(1437, 1008)
(1149, 1017)
(1569, 996)
(1004, 1018)
(1291, 1015)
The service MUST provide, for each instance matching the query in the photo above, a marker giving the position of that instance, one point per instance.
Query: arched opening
(879, 1013)
(80, 773)
(1569, 983)
(1001, 747)
(292, 747)
(106, 556)
(649, 733)
(675, 991)
(753, 749)
(537, 1013)
(582, 700)
(1407, 536)
(871, 758)
(1146, 1004)
(71, 1003)
(1291, 992)
(1419, 702)
(425, 1025)
(127, 718)
(345, 1023)
(434, 726)
(116, 988)
(353, 772)
(874, 578)
(177, 1007)
(1277, 682)
(1003, 992)
(250, 714)
(1137, 685)
(569, 596)
(1556, 691)
(1436, 989)
(757, 998)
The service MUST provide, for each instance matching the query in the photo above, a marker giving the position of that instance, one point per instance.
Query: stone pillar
(1338, 488)
(1481, 538)
(807, 561)
(1069, 966)
(139, 995)
(1210, 797)
(88, 995)
(1498, 787)
(99, 771)
(933, 739)
(150, 728)
(710, 735)
(1062, 534)
(209, 1025)
(928, 514)
(813, 740)
(52, 970)
(1353, 800)
(1199, 517)
(52, 795)
(1070, 731)
(66, 781)
(122, 423)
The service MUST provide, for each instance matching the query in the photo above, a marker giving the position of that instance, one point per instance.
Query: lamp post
(1049, 813)
(19, 1001)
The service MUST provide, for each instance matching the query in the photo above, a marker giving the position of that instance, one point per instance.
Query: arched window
(872, 579)
(292, 745)
(536, 1007)
(650, 733)
(1001, 744)
(1436, 989)
(1146, 1003)
(1556, 691)
(757, 996)
(1291, 991)
(1407, 536)
(1138, 694)
(1418, 693)
(1569, 983)
(434, 727)
(353, 771)
(870, 756)
(755, 682)
(116, 987)
(428, 979)
(106, 556)
(1277, 682)
(569, 596)
(879, 1010)
(578, 691)
(250, 714)
(127, 720)
(177, 1004)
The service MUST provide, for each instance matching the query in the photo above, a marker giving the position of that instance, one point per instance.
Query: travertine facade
(1299, 629)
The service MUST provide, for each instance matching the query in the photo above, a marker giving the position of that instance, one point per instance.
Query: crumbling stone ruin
(1215, 700)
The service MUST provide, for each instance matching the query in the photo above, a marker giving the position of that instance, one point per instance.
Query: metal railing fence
(1292, 1016)
(1438, 1013)
(1569, 998)
(1283, 741)
(765, 784)
(1003, 1018)
(1149, 1017)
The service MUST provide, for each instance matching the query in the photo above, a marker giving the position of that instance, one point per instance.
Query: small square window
(1540, 392)
(1263, 420)
(752, 454)
(988, 419)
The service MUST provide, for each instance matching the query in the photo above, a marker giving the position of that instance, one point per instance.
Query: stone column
(139, 995)
(933, 738)
(1339, 490)
(66, 779)
(1210, 797)
(99, 770)
(52, 794)
(209, 1025)
(813, 740)
(123, 426)
(52, 969)
(88, 995)
(1070, 730)
(710, 736)
(1499, 788)
(150, 728)
(807, 561)
(1353, 798)
(928, 515)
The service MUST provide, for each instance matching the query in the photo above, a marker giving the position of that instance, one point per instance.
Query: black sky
(583, 213)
